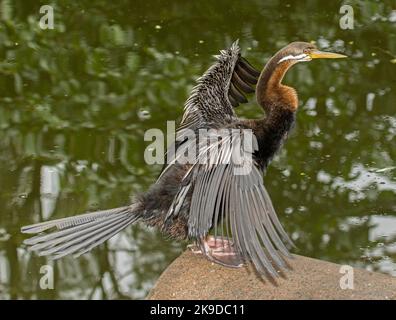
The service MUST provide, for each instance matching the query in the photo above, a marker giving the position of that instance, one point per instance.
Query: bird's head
(303, 51)
(269, 90)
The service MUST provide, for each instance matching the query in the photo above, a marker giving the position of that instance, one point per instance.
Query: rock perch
(191, 277)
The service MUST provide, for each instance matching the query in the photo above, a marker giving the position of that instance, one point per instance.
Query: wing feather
(236, 202)
(220, 89)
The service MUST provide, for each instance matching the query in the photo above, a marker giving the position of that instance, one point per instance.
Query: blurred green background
(75, 102)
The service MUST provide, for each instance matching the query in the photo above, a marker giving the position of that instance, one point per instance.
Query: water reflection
(75, 102)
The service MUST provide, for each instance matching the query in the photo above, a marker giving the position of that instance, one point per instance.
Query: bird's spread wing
(226, 185)
(220, 89)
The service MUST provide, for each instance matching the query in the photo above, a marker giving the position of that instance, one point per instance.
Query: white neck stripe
(291, 57)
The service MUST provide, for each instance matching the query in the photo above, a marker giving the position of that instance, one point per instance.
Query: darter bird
(216, 202)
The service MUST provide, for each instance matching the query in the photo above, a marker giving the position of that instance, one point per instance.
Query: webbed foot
(219, 250)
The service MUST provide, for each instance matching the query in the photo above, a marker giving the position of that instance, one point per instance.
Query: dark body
(155, 203)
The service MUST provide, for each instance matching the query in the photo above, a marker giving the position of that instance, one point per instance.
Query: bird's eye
(308, 50)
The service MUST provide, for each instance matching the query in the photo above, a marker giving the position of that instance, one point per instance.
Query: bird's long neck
(280, 103)
(270, 92)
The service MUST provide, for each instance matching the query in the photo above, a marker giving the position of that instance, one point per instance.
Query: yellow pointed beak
(316, 54)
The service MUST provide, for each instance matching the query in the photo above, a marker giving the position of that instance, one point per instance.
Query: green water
(75, 102)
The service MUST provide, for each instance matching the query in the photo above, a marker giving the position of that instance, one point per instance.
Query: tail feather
(51, 238)
(76, 234)
(71, 221)
(103, 237)
(79, 234)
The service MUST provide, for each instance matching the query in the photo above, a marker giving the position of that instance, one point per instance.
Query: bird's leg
(219, 250)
